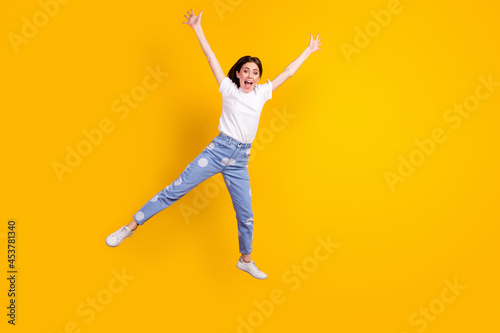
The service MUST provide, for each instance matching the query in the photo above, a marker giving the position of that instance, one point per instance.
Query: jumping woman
(228, 153)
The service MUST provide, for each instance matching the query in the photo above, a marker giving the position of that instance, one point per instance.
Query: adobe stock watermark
(373, 28)
(211, 188)
(122, 107)
(292, 278)
(425, 315)
(453, 116)
(30, 27)
(222, 6)
(93, 305)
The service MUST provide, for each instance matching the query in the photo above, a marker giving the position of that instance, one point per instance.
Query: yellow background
(322, 175)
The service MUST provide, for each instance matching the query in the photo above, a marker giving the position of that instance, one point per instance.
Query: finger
(187, 18)
(311, 38)
(200, 14)
(317, 37)
(192, 12)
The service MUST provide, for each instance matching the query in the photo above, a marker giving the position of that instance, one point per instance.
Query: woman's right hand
(193, 20)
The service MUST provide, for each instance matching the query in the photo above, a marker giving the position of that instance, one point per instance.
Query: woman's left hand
(314, 44)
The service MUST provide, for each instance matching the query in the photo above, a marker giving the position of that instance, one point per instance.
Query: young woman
(228, 153)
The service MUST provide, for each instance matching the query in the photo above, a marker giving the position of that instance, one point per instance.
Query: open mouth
(248, 84)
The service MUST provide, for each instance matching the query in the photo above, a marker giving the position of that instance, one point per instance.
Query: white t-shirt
(241, 111)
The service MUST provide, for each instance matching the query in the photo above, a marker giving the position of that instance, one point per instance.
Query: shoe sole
(111, 245)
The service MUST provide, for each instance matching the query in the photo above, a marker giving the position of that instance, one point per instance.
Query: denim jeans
(223, 155)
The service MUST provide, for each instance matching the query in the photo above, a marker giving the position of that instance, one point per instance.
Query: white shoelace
(255, 266)
(252, 265)
(122, 233)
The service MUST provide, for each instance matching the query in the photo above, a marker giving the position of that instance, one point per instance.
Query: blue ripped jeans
(223, 155)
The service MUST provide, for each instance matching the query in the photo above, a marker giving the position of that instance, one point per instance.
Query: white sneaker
(118, 236)
(251, 269)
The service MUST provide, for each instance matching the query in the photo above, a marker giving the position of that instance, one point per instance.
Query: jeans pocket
(216, 142)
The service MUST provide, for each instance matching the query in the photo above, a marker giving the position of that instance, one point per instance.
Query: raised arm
(195, 22)
(294, 65)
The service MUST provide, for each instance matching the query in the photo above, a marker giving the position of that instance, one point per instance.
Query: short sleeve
(225, 86)
(268, 91)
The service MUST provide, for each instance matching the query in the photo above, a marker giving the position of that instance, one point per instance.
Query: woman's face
(248, 75)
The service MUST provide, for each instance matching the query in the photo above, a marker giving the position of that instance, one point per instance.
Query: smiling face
(248, 75)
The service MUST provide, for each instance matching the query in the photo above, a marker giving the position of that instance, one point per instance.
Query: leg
(203, 167)
(132, 225)
(246, 257)
(238, 184)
